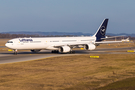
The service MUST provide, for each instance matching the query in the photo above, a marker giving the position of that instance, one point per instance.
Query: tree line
(7, 35)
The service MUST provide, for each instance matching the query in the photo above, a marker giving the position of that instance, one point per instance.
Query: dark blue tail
(101, 30)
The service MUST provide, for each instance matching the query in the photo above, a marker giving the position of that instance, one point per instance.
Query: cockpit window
(10, 42)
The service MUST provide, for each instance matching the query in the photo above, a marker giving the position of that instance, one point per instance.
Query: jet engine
(89, 47)
(64, 49)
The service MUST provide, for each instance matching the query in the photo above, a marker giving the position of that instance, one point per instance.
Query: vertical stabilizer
(101, 30)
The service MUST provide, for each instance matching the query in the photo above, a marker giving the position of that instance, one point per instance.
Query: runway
(2, 46)
(9, 57)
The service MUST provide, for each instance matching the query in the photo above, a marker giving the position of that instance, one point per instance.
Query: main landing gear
(72, 52)
(55, 51)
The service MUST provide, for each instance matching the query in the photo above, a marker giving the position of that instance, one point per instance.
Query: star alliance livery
(60, 44)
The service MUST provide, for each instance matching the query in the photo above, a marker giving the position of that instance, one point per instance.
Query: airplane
(61, 44)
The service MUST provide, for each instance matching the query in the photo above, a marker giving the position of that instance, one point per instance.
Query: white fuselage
(47, 42)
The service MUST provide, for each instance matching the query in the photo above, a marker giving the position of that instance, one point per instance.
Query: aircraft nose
(7, 45)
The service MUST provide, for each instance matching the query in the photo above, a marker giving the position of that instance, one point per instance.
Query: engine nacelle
(64, 49)
(89, 47)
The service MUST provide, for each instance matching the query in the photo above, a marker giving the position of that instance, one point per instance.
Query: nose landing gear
(15, 52)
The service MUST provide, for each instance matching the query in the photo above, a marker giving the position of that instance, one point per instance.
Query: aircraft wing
(113, 37)
(91, 42)
(72, 44)
(107, 42)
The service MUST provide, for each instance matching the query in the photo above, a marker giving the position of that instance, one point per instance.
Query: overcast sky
(67, 15)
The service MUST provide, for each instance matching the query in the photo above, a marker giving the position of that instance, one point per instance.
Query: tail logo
(102, 30)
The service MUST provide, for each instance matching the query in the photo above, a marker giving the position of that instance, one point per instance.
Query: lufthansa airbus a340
(60, 44)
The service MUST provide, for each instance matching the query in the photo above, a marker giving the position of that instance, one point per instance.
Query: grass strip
(67, 72)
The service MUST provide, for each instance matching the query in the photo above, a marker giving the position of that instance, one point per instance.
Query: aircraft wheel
(55, 51)
(15, 52)
(72, 52)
